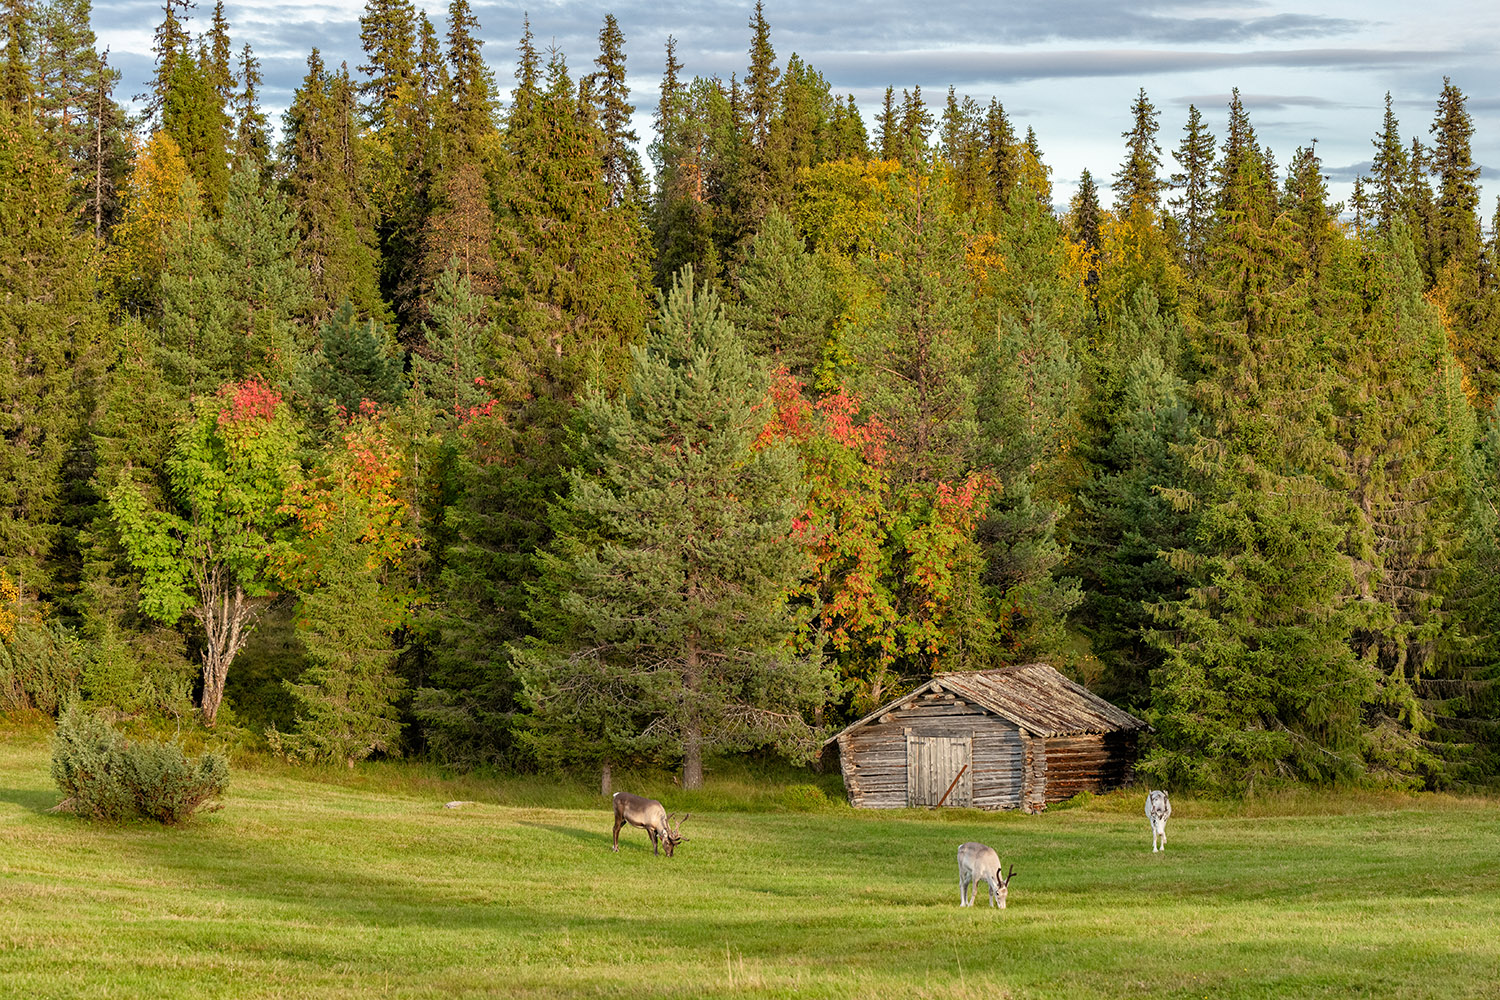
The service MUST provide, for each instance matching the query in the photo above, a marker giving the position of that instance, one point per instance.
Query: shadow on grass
(592, 837)
(38, 801)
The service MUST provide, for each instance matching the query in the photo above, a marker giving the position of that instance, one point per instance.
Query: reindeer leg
(618, 823)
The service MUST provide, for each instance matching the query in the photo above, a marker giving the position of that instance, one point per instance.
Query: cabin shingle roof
(1034, 696)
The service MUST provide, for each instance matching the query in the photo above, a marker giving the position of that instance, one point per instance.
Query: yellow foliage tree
(160, 204)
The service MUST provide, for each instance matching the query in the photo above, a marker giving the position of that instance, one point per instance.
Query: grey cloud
(961, 66)
(1346, 174)
(1262, 102)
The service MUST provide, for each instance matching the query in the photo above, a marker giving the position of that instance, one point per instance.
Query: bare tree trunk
(224, 617)
(692, 732)
(605, 786)
(692, 756)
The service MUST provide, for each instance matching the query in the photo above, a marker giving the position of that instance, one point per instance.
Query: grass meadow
(360, 884)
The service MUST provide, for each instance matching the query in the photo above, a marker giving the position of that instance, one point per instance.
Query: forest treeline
(431, 424)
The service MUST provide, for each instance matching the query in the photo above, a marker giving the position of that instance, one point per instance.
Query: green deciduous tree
(206, 554)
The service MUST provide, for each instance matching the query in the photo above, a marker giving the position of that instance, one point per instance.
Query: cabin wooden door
(932, 765)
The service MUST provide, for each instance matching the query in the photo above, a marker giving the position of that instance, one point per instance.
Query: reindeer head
(674, 833)
(1002, 886)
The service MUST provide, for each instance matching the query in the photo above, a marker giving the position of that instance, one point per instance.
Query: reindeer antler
(1009, 874)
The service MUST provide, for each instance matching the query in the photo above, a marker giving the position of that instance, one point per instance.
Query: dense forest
(430, 424)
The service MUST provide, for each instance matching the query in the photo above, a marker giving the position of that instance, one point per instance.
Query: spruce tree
(216, 65)
(388, 34)
(888, 127)
(471, 84)
(1084, 219)
(1195, 155)
(346, 699)
(1138, 183)
(193, 115)
(52, 325)
(1403, 430)
(1027, 399)
(622, 165)
(1260, 678)
(1452, 163)
(1388, 172)
(788, 300)
(252, 132)
(1123, 523)
(170, 41)
(322, 151)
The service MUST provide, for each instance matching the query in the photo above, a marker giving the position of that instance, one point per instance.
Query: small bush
(803, 798)
(108, 777)
(40, 664)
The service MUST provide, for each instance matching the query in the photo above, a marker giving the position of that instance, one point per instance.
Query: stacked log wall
(873, 757)
(1088, 764)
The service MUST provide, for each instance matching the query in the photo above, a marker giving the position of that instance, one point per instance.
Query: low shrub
(107, 777)
(40, 664)
(803, 798)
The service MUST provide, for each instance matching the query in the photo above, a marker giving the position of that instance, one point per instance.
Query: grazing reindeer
(649, 815)
(977, 863)
(1158, 808)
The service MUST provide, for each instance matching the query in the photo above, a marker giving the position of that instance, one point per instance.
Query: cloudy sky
(1068, 68)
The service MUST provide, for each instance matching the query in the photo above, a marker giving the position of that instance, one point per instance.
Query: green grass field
(361, 884)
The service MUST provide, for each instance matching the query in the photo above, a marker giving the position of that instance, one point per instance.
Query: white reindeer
(977, 863)
(1158, 808)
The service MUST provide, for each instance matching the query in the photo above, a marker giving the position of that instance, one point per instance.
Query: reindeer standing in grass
(1158, 808)
(977, 863)
(649, 815)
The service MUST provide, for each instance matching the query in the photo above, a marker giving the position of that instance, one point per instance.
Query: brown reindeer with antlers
(649, 815)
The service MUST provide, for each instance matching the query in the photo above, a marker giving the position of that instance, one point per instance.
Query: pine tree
(696, 589)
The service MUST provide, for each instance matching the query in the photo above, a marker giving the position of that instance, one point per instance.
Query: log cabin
(1017, 737)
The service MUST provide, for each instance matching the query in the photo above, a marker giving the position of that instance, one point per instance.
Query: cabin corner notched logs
(1013, 738)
